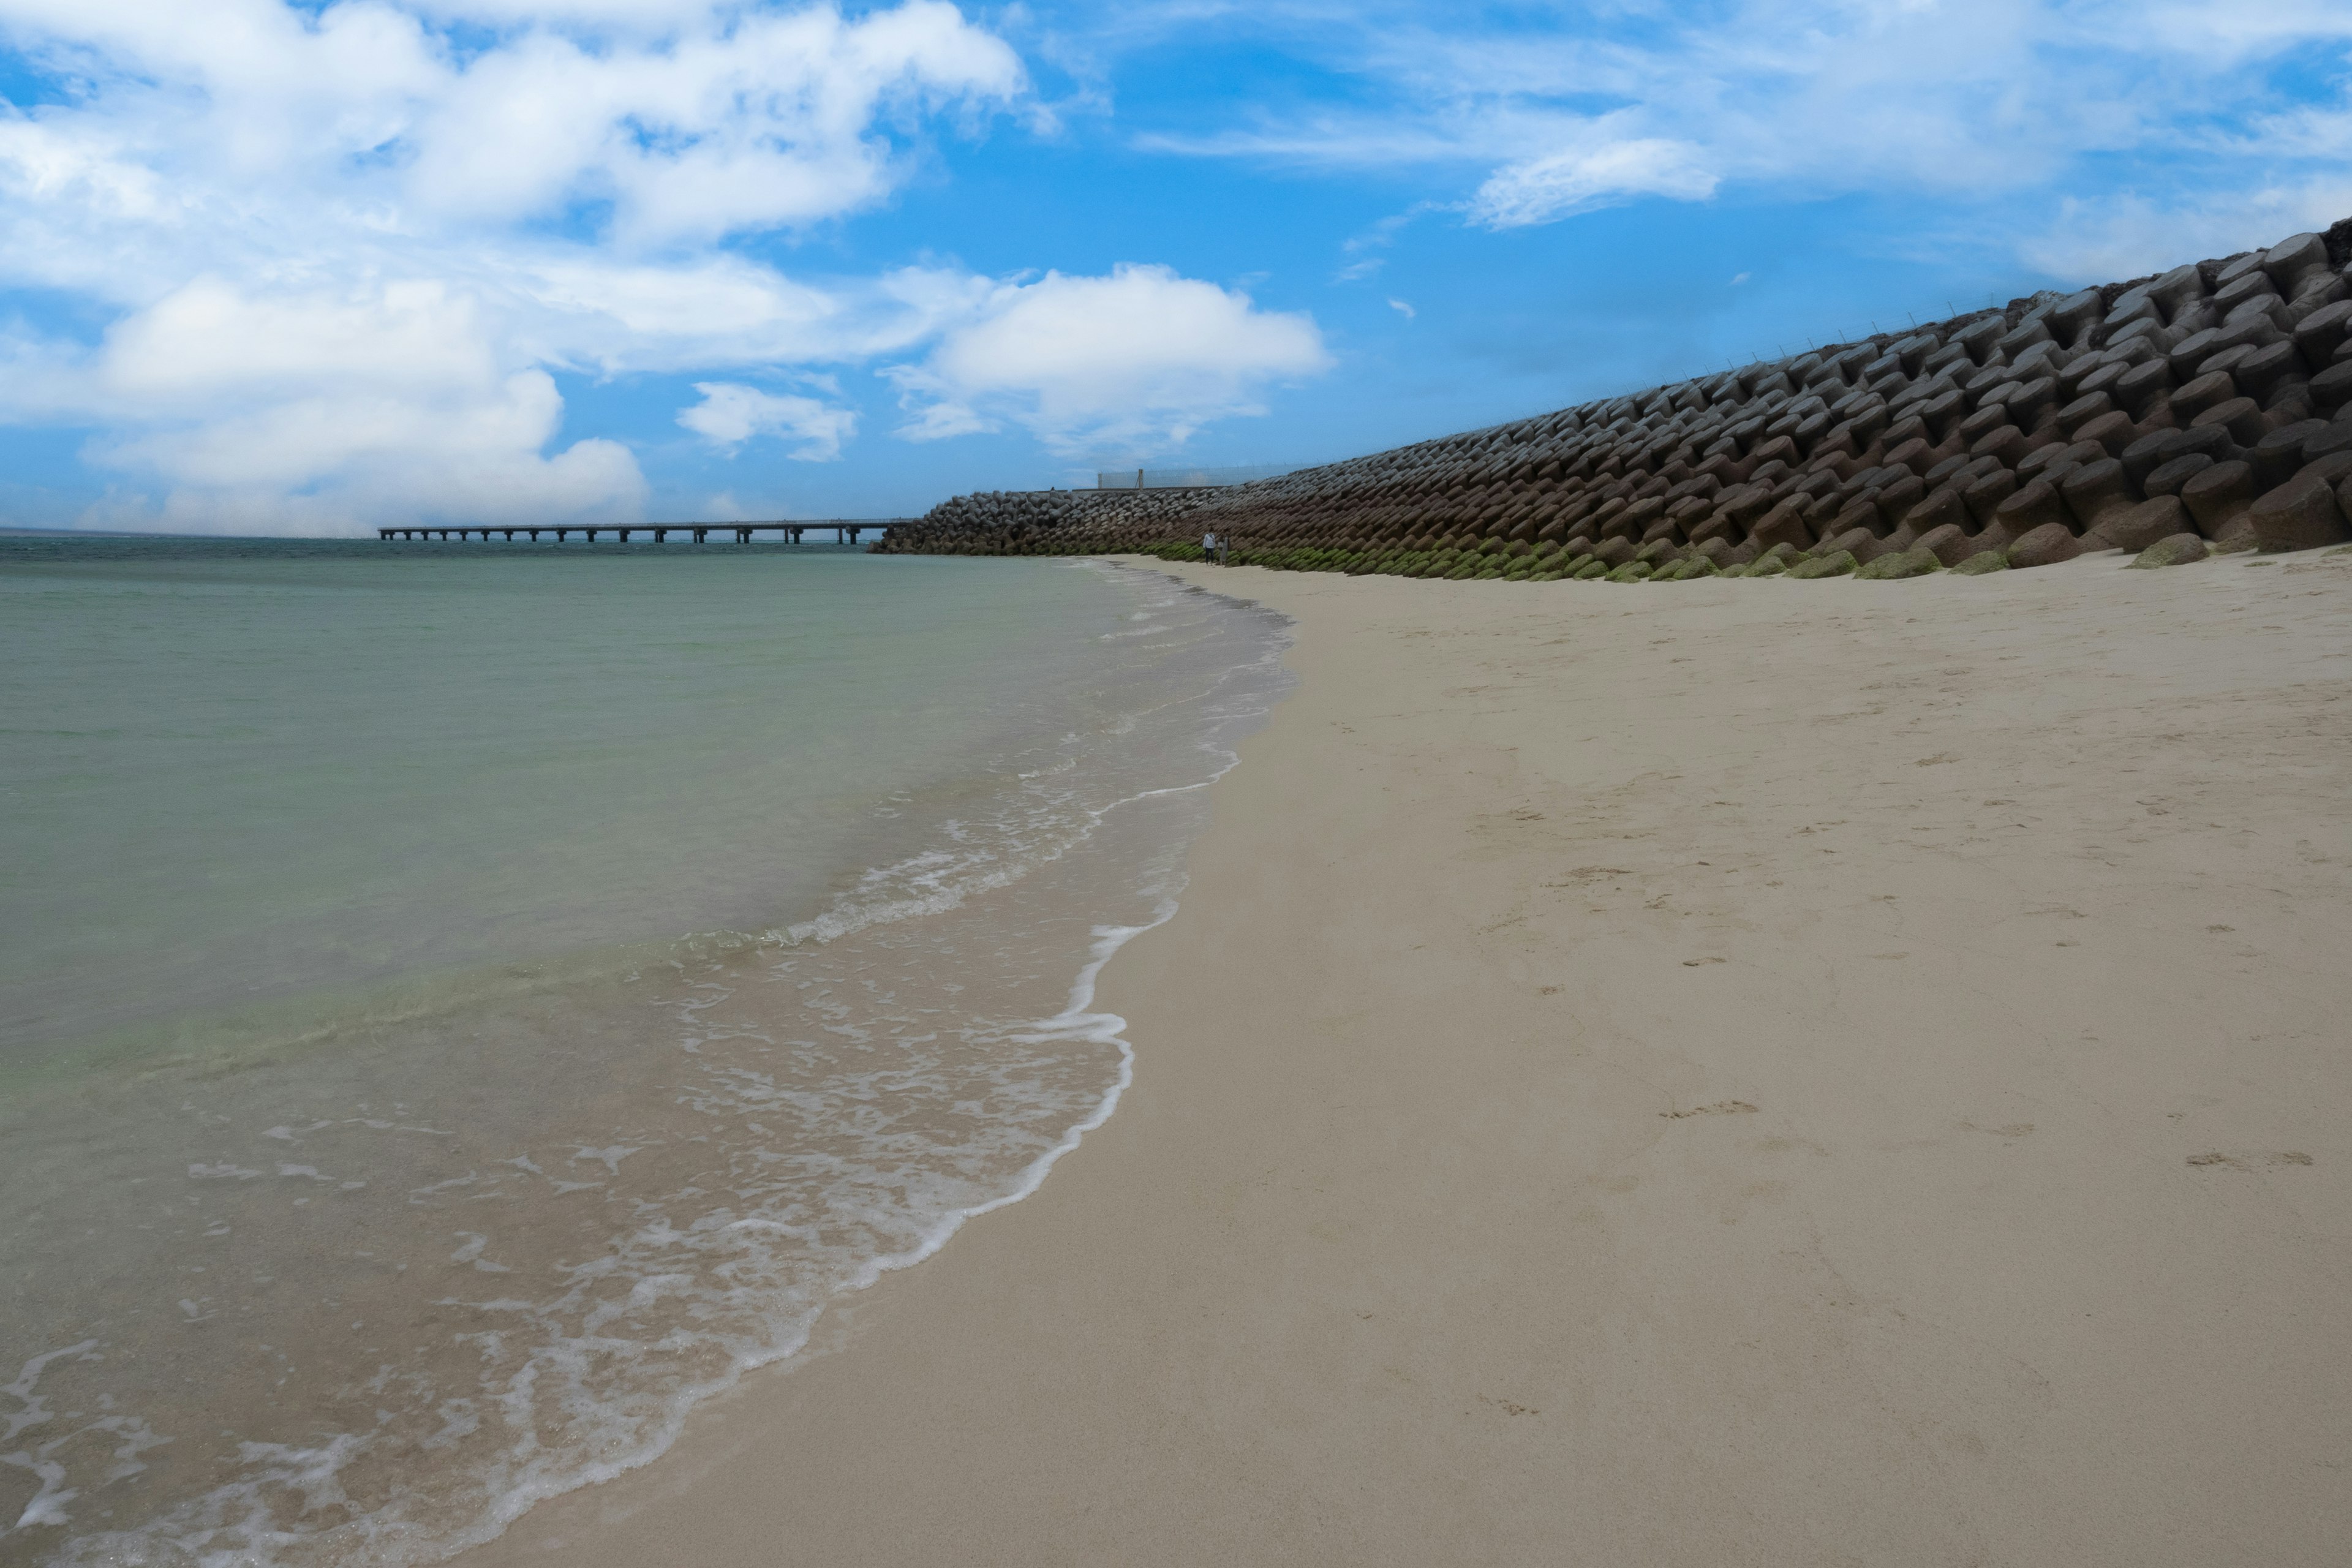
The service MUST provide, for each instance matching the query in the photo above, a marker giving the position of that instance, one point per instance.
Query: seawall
(2208, 408)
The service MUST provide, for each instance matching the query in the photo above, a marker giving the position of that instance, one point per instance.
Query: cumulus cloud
(720, 120)
(343, 249)
(312, 412)
(752, 122)
(730, 414)
(1139, 359)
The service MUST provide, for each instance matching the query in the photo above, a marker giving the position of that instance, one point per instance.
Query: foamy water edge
(1078, 1021)
(231, 1525)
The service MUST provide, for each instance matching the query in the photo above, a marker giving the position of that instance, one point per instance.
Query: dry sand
(1717, 1073)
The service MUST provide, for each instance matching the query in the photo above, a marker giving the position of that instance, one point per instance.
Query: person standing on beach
(1209, 547)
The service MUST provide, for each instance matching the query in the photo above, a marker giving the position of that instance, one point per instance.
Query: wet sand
(1716, 1073)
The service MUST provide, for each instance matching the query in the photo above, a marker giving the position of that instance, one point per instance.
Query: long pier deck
(845, 529)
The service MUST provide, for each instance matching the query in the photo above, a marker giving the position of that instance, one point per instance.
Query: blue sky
(309, 268)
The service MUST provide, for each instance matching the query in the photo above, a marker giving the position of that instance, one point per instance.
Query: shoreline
(552, 1204)
(1864, 1081)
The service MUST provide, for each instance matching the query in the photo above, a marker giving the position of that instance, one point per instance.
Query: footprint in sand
(2248, 1162)
(2015, 1130)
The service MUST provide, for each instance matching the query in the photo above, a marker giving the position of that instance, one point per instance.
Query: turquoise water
(461, 1005)
(263, 771)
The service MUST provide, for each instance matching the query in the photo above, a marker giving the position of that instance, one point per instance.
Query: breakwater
(2205, 409)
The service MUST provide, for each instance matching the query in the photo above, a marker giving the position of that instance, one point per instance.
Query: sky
(301, 267)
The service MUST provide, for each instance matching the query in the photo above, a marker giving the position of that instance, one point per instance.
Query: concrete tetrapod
(2168, 479)
(2219, 495)
(2045, 546)
(2174, 550)
(1835, 565)
(2136, 528)
(1948, 544)
(2300, 514)
(1913, 562)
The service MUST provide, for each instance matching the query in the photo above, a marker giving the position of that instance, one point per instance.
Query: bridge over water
(845, 529)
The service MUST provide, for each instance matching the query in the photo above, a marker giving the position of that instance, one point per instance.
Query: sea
(463, 1004)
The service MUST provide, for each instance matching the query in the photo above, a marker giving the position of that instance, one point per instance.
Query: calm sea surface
(461, 1005)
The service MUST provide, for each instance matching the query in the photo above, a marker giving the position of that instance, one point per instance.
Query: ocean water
(460, 1007)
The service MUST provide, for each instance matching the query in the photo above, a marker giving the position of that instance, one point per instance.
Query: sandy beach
(1726, 1073)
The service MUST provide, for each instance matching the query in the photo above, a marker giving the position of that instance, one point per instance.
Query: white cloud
(341, 251)
(1579, 179)
(1407, 312)
(2131, 235)
(321, 413)
(1553, 111)
(750, 120)
(722, 120)
(1139, 359)
(2289, 163)
(730, 414)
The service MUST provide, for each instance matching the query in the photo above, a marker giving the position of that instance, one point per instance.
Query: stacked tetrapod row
(2208, 408)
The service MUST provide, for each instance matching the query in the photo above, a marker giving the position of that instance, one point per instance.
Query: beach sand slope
(1717, 1073)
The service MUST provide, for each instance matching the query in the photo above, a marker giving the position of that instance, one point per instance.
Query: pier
(845, 529)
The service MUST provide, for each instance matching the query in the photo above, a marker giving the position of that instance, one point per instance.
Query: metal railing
(1189, 479)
